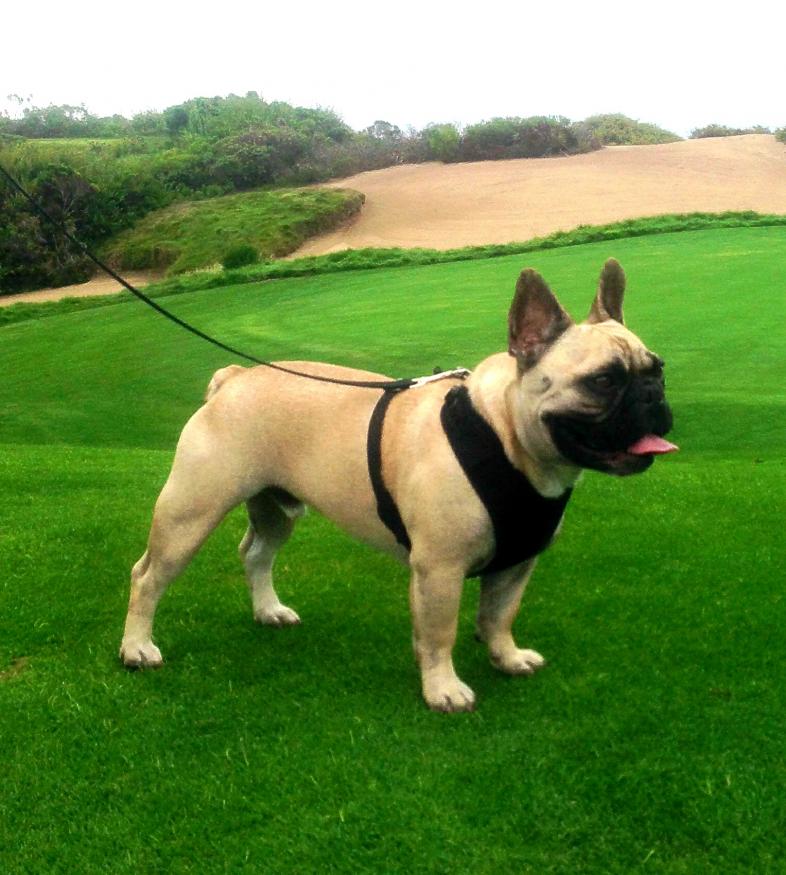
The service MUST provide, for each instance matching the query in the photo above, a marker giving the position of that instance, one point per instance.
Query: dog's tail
(220, 377)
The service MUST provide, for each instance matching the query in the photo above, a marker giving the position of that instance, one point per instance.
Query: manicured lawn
(653, 741)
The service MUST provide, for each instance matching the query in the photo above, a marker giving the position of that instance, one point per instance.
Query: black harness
(386, 506)
(523, 520)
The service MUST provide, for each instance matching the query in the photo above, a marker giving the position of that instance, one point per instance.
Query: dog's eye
(609, 380)
(603, 381)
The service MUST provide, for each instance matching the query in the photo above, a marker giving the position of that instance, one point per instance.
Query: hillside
(197, 234)
(443, 206)
(100, 176)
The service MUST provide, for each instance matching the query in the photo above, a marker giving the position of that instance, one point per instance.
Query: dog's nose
(652, 392)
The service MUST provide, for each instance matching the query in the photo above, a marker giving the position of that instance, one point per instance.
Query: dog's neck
(490, 386)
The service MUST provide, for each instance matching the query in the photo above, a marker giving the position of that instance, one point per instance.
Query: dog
(456, 477)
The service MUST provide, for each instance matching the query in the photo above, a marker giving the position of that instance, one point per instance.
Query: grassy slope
(654, 735)
(367, 259)
(197, 234)
(77, 151)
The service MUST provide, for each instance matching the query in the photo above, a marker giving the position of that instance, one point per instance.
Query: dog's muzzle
(625, 438)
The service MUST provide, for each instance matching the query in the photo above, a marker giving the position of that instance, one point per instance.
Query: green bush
(240, 256)
(535, 137)
(147, 255)
(615, 129)
(714, 130)
(34, 251)
(260, 156)
(444, 142)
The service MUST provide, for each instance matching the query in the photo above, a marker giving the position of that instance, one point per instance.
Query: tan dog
(564, 397)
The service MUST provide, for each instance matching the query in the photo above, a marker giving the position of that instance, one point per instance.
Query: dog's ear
(611, 290)
(535, 319)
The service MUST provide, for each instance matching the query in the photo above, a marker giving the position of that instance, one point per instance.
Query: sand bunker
(441, 206)
(100, 285)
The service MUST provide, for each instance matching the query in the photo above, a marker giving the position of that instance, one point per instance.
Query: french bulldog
(454, 476)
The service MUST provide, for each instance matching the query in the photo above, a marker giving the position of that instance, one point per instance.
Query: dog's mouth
(651, 445)
(603, 450)
(638, 456)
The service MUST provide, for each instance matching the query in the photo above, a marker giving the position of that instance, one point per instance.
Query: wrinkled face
(597, 398)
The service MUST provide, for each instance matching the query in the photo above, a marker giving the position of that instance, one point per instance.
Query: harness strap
(386, 506)
(524, 521)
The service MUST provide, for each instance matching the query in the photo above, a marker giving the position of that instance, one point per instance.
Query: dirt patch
(15, 669)
(100, 285)
(442, 206)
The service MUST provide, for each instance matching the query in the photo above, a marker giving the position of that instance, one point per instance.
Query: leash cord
(388, 386)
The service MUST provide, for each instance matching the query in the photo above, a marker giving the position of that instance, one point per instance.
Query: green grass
(367, 259)
(653, 741)
(76, 149)
(197, 234)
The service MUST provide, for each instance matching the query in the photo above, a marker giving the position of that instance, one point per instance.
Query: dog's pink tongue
(652, 445)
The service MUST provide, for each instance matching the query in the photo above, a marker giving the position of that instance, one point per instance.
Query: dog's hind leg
(192, 503)
(500, 597)
(272, 515)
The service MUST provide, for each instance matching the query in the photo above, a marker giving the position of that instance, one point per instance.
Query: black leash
(388, 386)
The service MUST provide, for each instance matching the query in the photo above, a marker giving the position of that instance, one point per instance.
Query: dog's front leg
(435, 594)
(500, 597)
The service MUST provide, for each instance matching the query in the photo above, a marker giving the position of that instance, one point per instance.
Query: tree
(443, 141)
(384, 131)
(176, 119)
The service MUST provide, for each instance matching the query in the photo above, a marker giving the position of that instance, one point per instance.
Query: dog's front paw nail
(519, 662)
(277, 615)
(145, 655)
(451, 698)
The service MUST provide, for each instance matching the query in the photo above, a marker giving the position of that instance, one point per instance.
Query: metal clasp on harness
(456, 373)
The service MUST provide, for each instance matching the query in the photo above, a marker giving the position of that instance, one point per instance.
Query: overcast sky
(678, 64)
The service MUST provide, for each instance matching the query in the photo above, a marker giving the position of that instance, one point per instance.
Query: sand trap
(441, 206)
(101, 285)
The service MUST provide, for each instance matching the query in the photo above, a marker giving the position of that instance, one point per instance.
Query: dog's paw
(276, 615)
(449, 697)
(140, 655)
(518, 661)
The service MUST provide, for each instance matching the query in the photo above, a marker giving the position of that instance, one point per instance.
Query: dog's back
(220, 377)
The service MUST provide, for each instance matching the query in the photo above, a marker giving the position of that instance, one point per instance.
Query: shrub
(147, 256)
(239, 256)
(443, 142)
(534, 137)
(714, 130)
(615, 129)
(258, 157)
(35, 252)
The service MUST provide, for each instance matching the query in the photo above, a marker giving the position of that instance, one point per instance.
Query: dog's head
(592, 394)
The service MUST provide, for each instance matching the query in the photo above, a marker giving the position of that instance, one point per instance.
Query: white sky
(678, 64)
